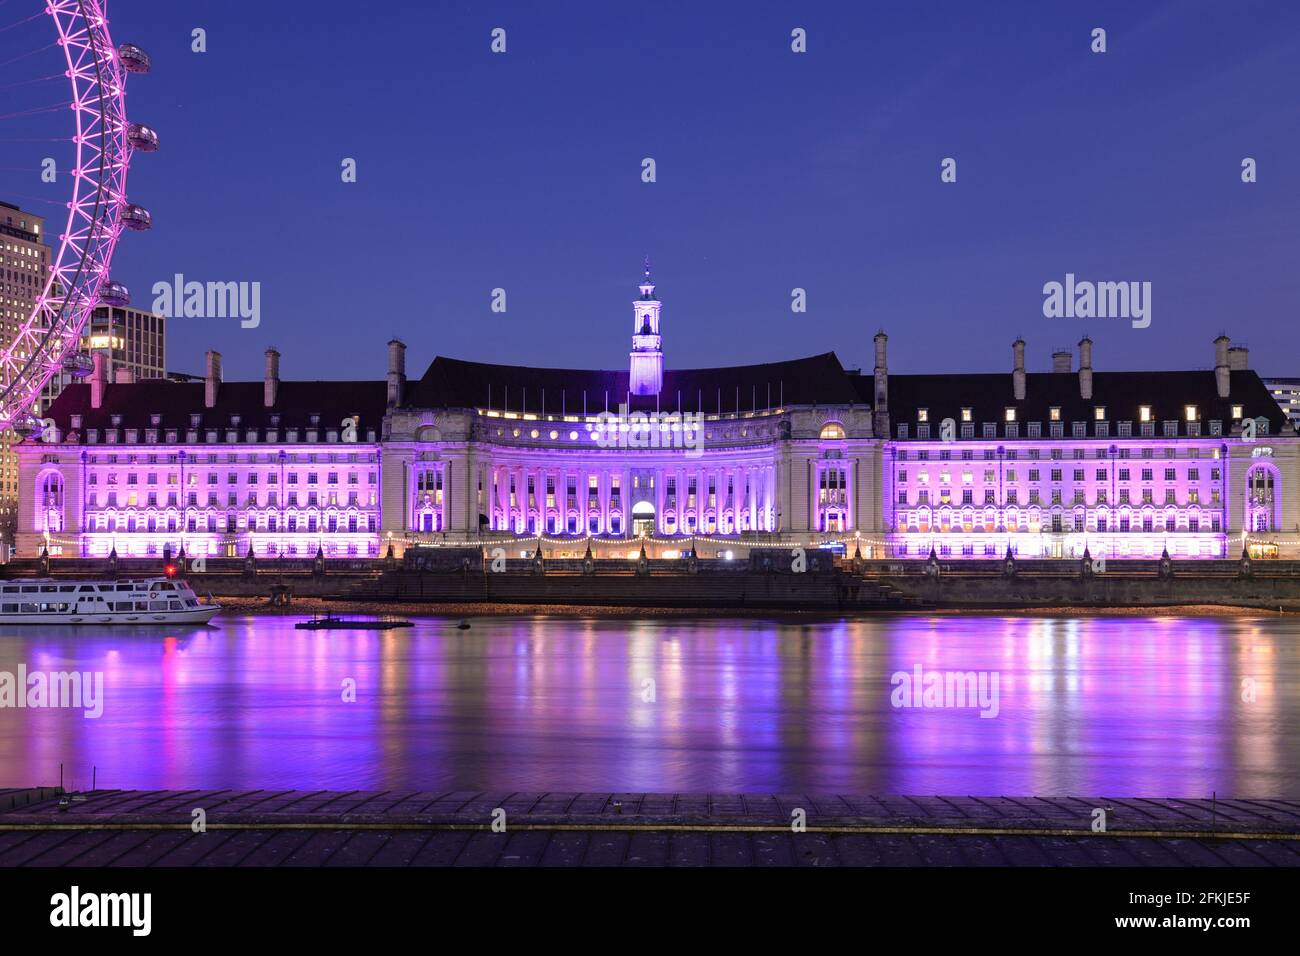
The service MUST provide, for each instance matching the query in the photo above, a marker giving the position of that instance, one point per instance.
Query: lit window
(1011, 414)
(1056, 413)
(923, 414)
(1099, 413)
(1144, 413)
(1189, 413)
(965, 414)
(1236, 412)
(832, 430)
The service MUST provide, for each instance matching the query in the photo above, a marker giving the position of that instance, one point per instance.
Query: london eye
(87, 197)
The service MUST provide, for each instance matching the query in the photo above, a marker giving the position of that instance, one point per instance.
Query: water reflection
(1116, 706)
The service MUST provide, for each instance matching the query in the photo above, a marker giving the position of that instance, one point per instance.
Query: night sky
(775, 170)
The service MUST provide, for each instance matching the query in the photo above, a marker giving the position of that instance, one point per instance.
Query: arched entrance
(643, 519)
(1263, 501)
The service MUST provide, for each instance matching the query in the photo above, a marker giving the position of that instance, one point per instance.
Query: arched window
(50, 510)
(1263, 501)
(832, 430)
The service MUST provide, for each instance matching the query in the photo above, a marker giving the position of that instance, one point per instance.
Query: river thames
(1138, 706)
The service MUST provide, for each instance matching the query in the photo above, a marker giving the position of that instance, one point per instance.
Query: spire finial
(647, 268)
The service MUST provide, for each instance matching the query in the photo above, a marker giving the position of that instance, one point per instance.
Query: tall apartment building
(24, 266)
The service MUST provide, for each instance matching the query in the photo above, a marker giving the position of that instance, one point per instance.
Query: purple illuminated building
(1118, 464)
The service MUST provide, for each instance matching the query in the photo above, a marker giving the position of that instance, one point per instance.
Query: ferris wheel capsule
(78, 364)
(134, 59)
(114, 293)
(29, 426)
(141, 137)
(136, 217)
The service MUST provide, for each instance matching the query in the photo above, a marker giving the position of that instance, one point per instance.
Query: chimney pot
(271, 386)
(1222, 380)
(212, 381)
(1018, 372)
(98, 379)
(1061, 360)
(396, 371)
(1085, 368)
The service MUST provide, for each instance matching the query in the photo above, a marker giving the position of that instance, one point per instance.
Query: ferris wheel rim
(80, 265)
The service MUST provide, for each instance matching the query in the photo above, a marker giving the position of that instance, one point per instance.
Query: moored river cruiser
(136, 601)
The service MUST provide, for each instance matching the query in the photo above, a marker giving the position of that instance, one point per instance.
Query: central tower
(646, 371)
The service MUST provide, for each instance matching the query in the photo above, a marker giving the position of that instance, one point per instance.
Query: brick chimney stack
(212, 381)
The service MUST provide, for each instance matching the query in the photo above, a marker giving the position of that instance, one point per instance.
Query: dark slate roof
(295, 403)
(452, 383)
(989, 395)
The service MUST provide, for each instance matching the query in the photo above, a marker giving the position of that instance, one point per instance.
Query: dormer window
(1189, 413)
(1144, 413)
(234, 421)
(1055, 413)
(966, 415)
(155, 419)
(116, 420)
(923, 414)
(194, 420)
(1099, 413)
(1237, 413)
(1010, 415)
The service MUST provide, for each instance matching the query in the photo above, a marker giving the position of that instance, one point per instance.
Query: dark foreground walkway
(403, 828)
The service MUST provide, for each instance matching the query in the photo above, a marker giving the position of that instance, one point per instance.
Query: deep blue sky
(775, 170)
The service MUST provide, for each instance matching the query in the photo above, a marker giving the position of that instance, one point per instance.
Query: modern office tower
(24, 267)
(1286, 392)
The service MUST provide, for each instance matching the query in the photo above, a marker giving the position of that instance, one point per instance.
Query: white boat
(130, 601)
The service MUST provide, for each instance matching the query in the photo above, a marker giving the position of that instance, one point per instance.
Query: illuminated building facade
(801, 452)
(217, 468)
(722, 456)
(1120, 464)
